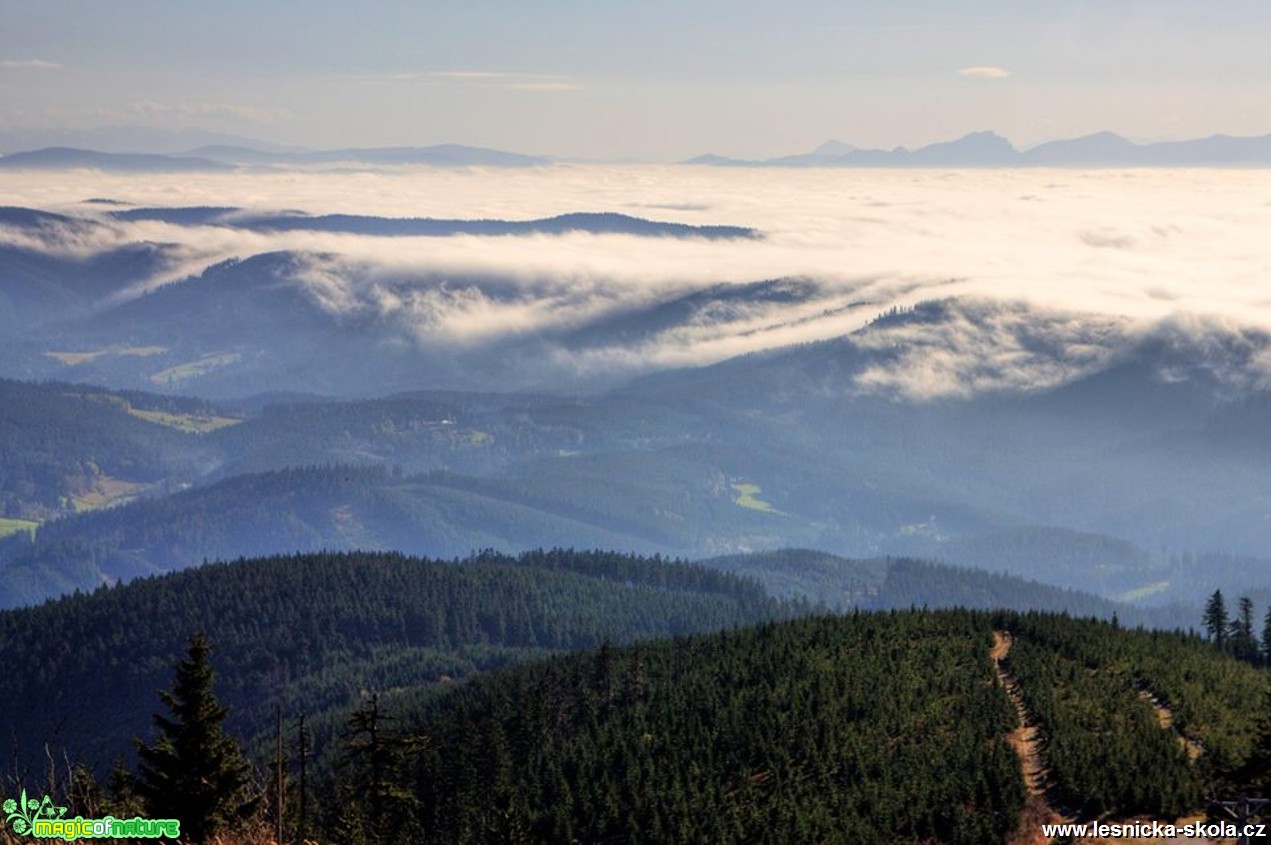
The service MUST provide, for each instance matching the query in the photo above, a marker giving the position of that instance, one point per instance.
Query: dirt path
(1165, 718)
(1038, 808)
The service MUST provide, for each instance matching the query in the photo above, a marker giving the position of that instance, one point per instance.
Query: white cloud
(1101, 256)
(28, 64)
(984, 72)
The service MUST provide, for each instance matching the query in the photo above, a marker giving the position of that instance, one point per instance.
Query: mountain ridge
(989, 149)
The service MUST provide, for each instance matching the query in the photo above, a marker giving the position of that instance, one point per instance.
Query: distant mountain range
(988, 149)
(129, 139)
(69, 158)
(439, 154)
(218, 157)
(978, 149)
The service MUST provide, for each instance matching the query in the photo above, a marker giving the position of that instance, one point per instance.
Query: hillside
(869, 728)
(898, 583)
(308, 632)
(297, 510)
(67, 448)
(1125, 483)
(442, 515)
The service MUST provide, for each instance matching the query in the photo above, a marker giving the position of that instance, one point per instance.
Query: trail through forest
(1165, 717)
(1038, 807)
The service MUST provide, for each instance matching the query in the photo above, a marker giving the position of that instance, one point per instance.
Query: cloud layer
(1114, 252)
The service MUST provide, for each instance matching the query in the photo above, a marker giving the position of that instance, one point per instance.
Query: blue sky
(653, 79)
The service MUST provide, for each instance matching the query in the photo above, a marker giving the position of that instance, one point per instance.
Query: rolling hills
(309, 631)
(876, 726)
(1078, 449)
(1109, 482)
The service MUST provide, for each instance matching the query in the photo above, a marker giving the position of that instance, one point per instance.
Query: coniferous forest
(580, 697)
(308, 632)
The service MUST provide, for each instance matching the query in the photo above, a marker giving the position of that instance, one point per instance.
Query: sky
(656, 80)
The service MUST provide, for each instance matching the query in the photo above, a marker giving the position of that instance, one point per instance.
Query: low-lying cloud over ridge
(1085, 259)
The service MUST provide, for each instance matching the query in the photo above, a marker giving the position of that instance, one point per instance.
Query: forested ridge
(895, 583)
(868, 728)
(58, 440)
(308, 632)
(309, 509)
(301, 509)
(1086, 686)
(871, 727)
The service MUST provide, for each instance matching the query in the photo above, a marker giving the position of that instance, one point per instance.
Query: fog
(1104, 255)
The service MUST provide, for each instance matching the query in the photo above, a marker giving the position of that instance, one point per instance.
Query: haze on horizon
(656, 80)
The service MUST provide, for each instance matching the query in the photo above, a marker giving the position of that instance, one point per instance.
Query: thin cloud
(505, 80)
(483, 75)
(28, 64)
(150, 110)
(547, 87)
(984, 72)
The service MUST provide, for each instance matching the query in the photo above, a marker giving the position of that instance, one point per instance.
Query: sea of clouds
(1060, 268)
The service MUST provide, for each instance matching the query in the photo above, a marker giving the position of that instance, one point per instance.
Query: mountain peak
(976, 148)
(834, 147)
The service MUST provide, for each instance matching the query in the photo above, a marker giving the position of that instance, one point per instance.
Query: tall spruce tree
(193, 772)
(1266, 638)
(1242, 643)
(1216, 619)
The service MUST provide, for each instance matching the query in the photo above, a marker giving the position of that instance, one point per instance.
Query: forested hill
(65, 447)
(308, 632)
(868, 728)
(890, 583)
(297, 510)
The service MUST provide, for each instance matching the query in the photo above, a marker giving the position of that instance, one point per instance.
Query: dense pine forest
(1095, 694)
(862, 728)
(310, 632)
(600, 697)
(870, 727)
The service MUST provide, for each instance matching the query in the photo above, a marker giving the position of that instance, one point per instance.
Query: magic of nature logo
(46, 820)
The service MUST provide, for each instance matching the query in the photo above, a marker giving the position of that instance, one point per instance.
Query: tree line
(1234, 634)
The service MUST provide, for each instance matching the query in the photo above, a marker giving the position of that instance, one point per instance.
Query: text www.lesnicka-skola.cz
(1154, 830)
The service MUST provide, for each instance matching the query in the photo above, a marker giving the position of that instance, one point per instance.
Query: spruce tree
(1266, 638)
(1216, 619)
(377, 805)
(193, 772)
(1242, 642)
